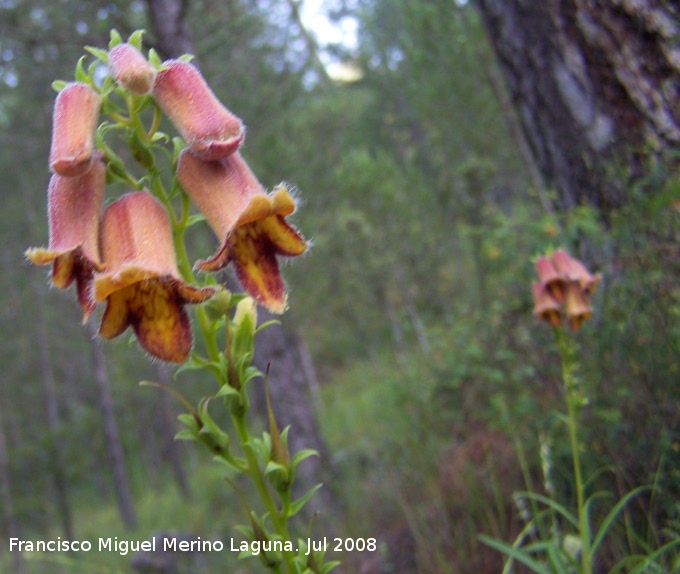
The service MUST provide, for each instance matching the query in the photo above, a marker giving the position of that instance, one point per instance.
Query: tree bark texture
(596, 84)
(170, 27)
(167, 426)
(291, 399)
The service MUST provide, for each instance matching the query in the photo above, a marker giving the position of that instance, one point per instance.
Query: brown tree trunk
(292, 404)
(167, 423)
(170, 27)
(114, 447)
(596, 83)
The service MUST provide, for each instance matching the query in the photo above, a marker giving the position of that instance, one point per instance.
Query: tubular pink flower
(131, 69)
(550, 279)
(73, 206)
(577, 305)
(250, 223)
(74, 122)
(142, 285)
(572, 269)
(209, 129)
(546, 308)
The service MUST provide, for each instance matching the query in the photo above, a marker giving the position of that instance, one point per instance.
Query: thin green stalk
(187, 273)
(279, 520)
(574, 404)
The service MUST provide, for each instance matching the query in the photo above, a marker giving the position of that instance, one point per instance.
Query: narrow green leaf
(274, 466)
(516, 554)
(297, 505)
(136, 39)
(227, 390)
(186, 434)
(194, 219)
(155, 59)
(80, 73)
(188, 420)
(98, 53)
(649, 559)
(116, 39)
(556, 506)
(247, 531)
(267, 324)
(329, 566)
(613, 513)
(302, 455)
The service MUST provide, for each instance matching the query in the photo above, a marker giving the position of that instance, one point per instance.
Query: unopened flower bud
(246, 308)
(74, 122)
(210, 129)
(131, 69)
(220, 303)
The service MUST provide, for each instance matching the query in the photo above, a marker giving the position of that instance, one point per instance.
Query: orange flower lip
(142, 285)
(74, 122)
(74, 205)
(209, 128)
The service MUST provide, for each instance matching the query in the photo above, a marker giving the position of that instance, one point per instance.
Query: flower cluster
(124, 255)
(563, 290)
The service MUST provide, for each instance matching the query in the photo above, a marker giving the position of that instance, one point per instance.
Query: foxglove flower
(577, 305)
(73, 207)
(131, 69)
(546, 307)
(209, 128)
(573, 270)
(563, 290)
(74, 122)
(549, 278)
(249, 222)
(141, 284)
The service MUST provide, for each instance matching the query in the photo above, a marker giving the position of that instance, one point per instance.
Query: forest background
(420, 370)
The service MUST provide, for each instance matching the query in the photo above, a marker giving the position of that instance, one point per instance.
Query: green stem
(278, 518)
(574, 403)
(187, 273)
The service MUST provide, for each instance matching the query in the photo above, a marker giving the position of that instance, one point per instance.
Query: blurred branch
(310, 41)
